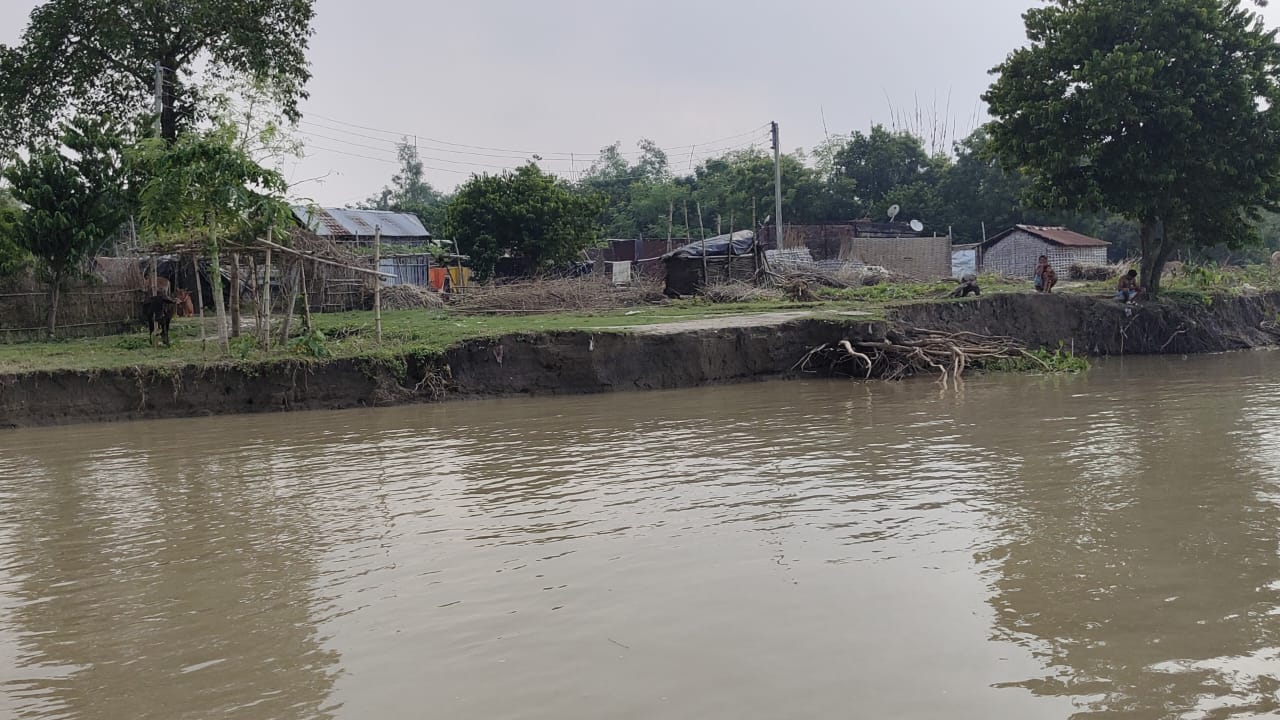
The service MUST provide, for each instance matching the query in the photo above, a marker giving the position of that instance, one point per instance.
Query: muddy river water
(1023, 547)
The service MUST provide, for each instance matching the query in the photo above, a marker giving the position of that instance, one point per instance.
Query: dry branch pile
(847, 277)
(571, 294)
(739, 292)
(912, 351)
(410, 297)
(1096, 272)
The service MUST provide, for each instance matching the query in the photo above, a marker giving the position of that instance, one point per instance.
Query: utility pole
(777, 186)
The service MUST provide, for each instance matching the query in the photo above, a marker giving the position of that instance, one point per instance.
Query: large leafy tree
(526, 214)
(409, 191)
(75, 202)
(1167, 113)
(881, 161)
(738, 186)
(101, 56)
(640, 197)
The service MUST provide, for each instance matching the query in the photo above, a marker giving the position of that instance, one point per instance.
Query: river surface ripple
(1097, 546)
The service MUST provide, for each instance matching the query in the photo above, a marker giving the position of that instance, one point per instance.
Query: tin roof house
(357, 226)
(1015, 252)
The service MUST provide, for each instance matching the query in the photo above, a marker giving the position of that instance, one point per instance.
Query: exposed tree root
(913, 351)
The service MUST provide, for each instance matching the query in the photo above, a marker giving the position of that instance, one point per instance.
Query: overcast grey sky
(563, 78)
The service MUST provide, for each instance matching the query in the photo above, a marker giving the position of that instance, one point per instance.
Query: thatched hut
(718, 259)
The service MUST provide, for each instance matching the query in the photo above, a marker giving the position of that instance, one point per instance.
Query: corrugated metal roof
(342, 222)
(1055, 235)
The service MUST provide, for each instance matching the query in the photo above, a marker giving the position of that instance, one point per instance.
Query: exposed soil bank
(667, 356)
(1092, 326)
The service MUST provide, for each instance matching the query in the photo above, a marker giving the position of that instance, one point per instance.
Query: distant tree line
(848, 177)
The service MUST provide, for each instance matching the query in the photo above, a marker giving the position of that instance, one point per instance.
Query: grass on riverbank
(348, 335)
(418, 332)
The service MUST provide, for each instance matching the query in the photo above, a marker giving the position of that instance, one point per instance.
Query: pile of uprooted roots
(905, 352)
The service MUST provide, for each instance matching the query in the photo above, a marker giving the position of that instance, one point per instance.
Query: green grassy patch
(348, 335)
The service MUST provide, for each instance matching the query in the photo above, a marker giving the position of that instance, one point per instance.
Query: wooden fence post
(377, 281)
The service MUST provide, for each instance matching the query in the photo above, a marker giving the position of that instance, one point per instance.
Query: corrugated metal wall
(407, 269)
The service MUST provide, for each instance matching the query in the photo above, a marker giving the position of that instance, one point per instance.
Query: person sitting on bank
(1045, 277)
(968, 285)
(1128, 289)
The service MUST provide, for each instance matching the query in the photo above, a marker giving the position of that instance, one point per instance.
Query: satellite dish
(917, 226)
(893, 212)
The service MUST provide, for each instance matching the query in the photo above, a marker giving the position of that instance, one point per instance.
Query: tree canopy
(409, 192)
(99, 57)
(74, 200)
(1165, 113)
(206, 188)
(527, 214)
(966, 191)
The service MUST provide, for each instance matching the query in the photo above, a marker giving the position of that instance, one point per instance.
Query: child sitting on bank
(1128, 289)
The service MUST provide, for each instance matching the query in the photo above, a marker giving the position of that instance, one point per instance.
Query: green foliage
(133, 342)
(244, 346)
(882, 161)
(409, 192)
(1166, 113)
(1060, 360)
(74, 201)
(846, 177)
(312, 344)
(205, 187)
(526, 214)
(13, 257)
(1205, 276)
(100, 58)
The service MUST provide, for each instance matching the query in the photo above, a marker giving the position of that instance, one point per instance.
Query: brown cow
(184, 307)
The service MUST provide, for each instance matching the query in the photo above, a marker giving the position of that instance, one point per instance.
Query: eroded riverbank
(673, 355)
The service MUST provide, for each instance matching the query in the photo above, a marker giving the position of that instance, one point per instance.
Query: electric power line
(707, 151)
(422, 137)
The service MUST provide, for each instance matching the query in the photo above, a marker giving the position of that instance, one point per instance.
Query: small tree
(1167, 113)
(74, 203)
(527, 214)
(409, 192)
(205, 188)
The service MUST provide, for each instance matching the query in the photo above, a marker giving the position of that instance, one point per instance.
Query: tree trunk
(235, 295)
(55, 285)
(1156, 247)
(219, 305)
(168, 101)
